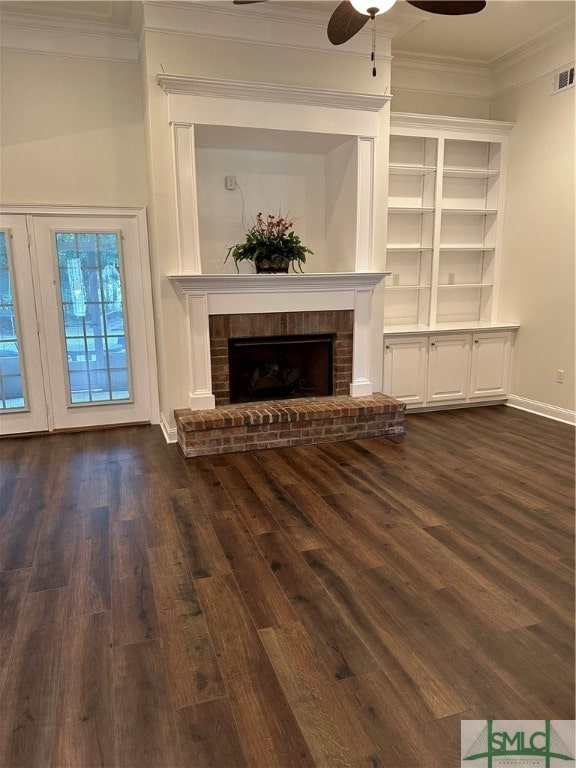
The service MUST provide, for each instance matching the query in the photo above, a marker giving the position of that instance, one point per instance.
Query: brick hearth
(280, 423)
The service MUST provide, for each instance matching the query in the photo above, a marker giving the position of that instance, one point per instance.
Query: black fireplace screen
(280, 367)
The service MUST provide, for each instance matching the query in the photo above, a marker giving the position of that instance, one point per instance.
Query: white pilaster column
(186, 198)
(200, 369)
(361, 384)
(365, 209)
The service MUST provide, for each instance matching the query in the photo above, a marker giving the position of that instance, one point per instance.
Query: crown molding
(261, 24)
(435, 74)
(427, 73)
(444, 124)
(288, 94)
(66, 37)
(540, 56)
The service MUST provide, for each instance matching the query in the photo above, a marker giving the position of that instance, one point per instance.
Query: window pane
(93, 313)
(11, 382)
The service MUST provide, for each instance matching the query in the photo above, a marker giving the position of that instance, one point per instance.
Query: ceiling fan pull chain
(373, 56)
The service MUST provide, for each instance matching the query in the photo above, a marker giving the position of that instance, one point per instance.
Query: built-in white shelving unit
(446, 191)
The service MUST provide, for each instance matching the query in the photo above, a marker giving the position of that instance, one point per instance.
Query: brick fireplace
(289, 325)
(224, 307)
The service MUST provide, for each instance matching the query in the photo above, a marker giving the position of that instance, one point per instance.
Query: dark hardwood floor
(332, 605)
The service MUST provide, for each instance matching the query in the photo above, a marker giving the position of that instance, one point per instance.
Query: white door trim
(138, 217)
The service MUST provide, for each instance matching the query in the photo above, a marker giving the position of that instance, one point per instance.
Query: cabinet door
(405, 363)
(449, 368)
(490, 366)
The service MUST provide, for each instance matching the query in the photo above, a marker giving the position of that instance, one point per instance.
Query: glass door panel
(11, 379)
(22, 398)
(93, 316)
(94, 293)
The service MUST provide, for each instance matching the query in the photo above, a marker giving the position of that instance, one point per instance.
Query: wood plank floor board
(85, 720)
(192, 668)
(13, 587)
(29, 700)
(341, 604)
(337, 641)
(208, 736)
(298, 527)
(392, 647)
(333, 736)
(201, 546)
(55, 551)
(20, 527)
(338, 532)
(90, 588)
(145, 733)
(133, 607)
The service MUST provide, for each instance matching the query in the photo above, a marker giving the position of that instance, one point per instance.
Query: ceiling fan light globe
(372, 7)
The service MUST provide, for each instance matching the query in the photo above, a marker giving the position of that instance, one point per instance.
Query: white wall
(288, 184)
(72, 131)
(538, 266)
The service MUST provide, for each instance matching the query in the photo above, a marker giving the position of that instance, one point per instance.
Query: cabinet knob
(387, 346)
(432, 343)
(476, 341)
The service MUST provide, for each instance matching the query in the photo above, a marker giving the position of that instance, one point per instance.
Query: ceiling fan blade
(449, 7)
(344, 23)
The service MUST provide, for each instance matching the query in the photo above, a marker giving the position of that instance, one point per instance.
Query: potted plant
(271, 244)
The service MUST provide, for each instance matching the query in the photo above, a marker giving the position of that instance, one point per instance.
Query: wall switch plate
(230, 182)
(559, 377)
(451, 278)
(396, 279)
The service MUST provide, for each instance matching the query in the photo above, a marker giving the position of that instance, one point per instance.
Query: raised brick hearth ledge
(280, 423)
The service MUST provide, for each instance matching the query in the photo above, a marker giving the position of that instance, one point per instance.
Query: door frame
(138, 216)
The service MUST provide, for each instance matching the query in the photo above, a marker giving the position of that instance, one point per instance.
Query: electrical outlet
(451, 278)
(395, 279)
(559, 377)
(230, 182)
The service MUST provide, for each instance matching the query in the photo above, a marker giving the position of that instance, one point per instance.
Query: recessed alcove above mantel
(306, 153)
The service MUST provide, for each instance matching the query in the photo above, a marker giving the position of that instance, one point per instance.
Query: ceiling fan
(351, 15)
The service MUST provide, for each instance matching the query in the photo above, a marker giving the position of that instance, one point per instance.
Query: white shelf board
(409, 248)
(470, 173)
(465, 285)
(406, 169)
(410, 209)
(406, 287)
(471, 211)
(469, 248)
(466, 247)
(414, 247)
(457, 327)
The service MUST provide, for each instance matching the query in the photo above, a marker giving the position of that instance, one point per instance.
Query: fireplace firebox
(280, 367)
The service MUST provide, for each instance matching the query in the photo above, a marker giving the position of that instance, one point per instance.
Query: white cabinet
(405, 368)
(433, 369)
(448, 368)
(490, 365)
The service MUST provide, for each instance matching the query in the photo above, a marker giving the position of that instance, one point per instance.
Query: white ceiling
(502, 27)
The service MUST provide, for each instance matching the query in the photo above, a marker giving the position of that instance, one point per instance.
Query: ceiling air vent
(564, 79)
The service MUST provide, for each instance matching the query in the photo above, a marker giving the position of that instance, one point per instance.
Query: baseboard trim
(542, 409)
(170, 433)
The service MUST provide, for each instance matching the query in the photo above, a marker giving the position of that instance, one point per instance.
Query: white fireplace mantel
(252, 294)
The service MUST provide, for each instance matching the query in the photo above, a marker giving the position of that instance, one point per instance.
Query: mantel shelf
(256, 91)
(278, 283)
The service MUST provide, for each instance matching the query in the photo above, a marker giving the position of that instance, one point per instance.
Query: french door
(76, 338)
